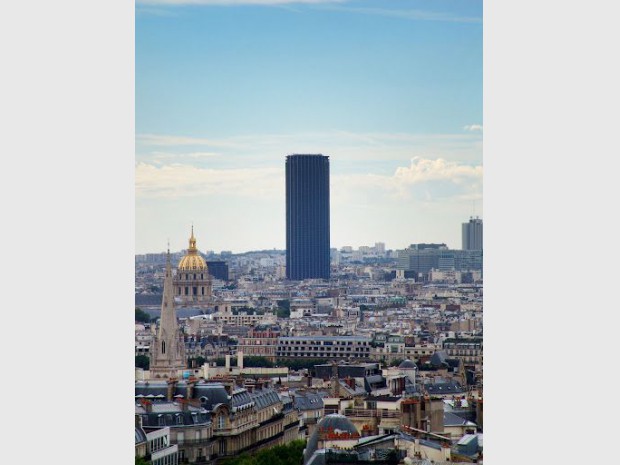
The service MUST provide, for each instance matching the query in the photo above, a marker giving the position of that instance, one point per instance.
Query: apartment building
(324, 347)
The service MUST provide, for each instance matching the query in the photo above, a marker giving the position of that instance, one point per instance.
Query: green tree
(287, 454)
(300, 363)
(195, 362)
(141, 461)
(142, 316)
(257, 362)
(142, 361)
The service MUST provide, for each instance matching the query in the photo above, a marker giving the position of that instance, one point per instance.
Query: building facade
(472, 234)
(261, 341)
(307, 217)
(324, 347)
(218, 269)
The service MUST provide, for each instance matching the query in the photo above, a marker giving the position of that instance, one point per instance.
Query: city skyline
(392, 93)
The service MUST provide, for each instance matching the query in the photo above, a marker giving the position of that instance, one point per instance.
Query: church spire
(192, 243)
(168, 266)
(168, 349)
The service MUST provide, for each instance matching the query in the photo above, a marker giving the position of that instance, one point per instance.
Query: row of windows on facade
(158, 443)
(169, 419)
(463, 352)
(452, 345)
(325, 343)
(322, 349)
(194, 291)
(314, 354)
(171, 459)
(189, 276)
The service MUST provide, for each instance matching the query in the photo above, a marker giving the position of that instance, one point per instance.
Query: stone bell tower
(168, 346)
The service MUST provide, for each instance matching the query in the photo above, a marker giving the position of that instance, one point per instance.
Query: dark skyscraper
(307, 217)
(472, 234)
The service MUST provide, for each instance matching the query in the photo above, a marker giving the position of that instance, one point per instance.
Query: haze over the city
(390, 91)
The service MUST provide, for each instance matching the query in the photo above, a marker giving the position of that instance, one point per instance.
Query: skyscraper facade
(472, 234)
(307, 217)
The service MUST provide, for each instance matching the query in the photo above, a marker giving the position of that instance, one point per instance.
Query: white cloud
(175, 141)
(345, 148)
(424, 200)
(181, 180)
(424, 180)
(422, 170)
(167, 157)
(473, 127)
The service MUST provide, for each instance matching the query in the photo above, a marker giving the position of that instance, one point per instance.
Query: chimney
(172, 382)
(335, 384)
(148, 406)
(227, 358)
(240, 359)
(190, 390)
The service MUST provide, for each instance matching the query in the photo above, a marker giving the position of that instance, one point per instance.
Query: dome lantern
(192, 261)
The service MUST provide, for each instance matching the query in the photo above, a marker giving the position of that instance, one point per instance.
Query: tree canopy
(142, 361)
(287, 454)
(142, 316)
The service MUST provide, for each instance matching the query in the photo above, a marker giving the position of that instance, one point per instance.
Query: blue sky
(390, 90)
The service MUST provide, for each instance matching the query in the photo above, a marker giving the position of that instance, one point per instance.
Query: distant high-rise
(472, 234)
(307, 217)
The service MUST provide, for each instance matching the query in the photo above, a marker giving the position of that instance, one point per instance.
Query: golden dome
(192, 260)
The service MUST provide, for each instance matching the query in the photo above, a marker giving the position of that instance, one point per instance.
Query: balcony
(234, 431)
(193, 442)
(273, 418)
(370, 413)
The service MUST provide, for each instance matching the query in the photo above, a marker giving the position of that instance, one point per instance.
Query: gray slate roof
(172, 414)
(140, 435)
(265, 397)
(449, 387)
(450, 419)
(407, 364)
(307, 401)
